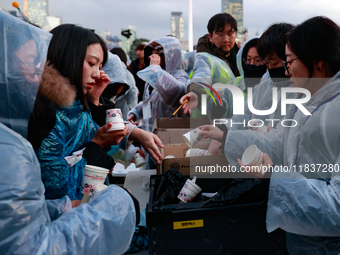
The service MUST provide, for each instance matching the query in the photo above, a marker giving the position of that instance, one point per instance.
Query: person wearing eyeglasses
(306, 203)
(215, 60)
(220, 41)
(251, 68)
(30, 223)
(237, 137)
(271, 49)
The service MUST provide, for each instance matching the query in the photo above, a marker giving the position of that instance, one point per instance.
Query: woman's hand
(101, 83)
(209, 131)
(257, 171)
(193, 102)
(149, 141)
(105, 139)
(155, 59)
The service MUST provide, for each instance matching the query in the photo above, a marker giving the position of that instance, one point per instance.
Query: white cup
(114, 116)
(139, 160)
(253, 125)
(252, 156)
(93, 175)
(195, 152)
(189, 191)
(192, 137)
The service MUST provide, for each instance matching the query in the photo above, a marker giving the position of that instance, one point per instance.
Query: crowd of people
(57, 86)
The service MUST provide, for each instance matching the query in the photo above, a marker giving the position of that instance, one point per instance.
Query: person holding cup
(303, 198)
(102, 101)
(271, 48)
(61, 122)
(30, 223)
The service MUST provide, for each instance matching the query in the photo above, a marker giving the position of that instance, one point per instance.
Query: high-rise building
(235, 9)
(37, 12)
(177, 26)
(127, 41)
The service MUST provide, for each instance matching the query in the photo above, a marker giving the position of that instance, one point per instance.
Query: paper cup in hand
(189, 191)
(139, 160)
(93, 175)
(197, 152)
(252, 156)
(192, 137)
(254, 125)
(114, 116)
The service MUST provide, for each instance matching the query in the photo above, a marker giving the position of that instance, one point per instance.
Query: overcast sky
(152, 17)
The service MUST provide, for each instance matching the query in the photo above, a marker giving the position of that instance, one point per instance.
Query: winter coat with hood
(168, 85)
(30, 223)
(58, 127)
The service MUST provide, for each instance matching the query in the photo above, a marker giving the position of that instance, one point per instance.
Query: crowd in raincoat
(305, 204)
(30, 223)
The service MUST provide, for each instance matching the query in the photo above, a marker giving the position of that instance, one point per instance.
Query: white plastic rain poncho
(210, 69)
(119, 74)
(32, 225)
(23, 51)
(306, 203)
(168, 85)
(239, 136)
(262, 95)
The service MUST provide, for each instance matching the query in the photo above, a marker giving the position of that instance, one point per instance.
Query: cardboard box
(229, 229)
(181, 123)
(184, 164)
(172, 135)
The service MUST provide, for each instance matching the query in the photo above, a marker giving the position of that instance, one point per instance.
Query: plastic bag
(169, 187)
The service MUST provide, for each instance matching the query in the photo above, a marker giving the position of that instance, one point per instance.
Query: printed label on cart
(188, 224)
